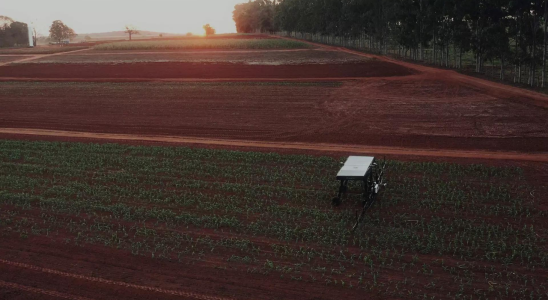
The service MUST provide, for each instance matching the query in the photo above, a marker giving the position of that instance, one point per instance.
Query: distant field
(40, 50)
(205, 44)
(265, 57)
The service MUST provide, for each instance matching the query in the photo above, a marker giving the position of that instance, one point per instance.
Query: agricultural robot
(370, 173)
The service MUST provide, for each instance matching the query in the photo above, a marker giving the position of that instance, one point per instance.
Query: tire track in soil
(19, 287)
(103, 281)
(377, 150)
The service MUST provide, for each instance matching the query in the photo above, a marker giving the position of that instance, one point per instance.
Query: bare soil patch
(204, 70)
(376, 112)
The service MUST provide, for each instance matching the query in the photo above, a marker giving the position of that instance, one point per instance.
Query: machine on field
(370, 173)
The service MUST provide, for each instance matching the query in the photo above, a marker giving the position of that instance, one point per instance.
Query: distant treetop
(60, 32)
(209, 30)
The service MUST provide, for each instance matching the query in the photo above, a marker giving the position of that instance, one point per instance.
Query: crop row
(438, 230)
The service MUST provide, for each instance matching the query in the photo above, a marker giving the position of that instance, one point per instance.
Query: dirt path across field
(377, 150)
(34, 57)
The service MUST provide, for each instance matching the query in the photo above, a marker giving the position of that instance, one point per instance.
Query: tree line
(508, 33)
(13, 33)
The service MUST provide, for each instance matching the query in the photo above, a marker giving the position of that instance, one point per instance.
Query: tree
(209, 30)
(59, 31)
(13, 33)
(131, 30)
(502, 32)
(255, 16)
(4, 20)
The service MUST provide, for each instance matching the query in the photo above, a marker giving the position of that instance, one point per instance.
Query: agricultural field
(179, 70)
(205, 168)
(186, 44)
(253, 57)
(376, 113)
(263, 221)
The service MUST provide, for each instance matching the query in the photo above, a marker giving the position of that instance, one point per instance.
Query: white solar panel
(356, 166)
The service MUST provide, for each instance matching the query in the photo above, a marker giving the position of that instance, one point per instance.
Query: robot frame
(370, 173)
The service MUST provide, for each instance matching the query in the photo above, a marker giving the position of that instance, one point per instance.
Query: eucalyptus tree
(503, 32)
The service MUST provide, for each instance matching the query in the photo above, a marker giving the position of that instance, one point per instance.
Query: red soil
(65, 271)
(195, 70)
(10, 58)
(404, 113)
(19, 133)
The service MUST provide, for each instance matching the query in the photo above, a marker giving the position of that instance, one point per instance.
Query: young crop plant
(471, 230)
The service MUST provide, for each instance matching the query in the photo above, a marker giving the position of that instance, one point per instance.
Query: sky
(93, 16)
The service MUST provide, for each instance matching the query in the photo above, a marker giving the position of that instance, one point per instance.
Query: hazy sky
(90, 16)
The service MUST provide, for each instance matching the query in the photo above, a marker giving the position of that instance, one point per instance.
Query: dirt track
(38, 56)
(540, 157)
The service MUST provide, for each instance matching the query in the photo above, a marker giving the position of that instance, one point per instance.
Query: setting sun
(91, 16)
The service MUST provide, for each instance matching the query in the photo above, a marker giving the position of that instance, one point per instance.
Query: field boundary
(109, 282)
(346, 148)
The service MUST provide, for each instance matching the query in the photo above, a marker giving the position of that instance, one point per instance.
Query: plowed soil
(202, 70)
(396, 113)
